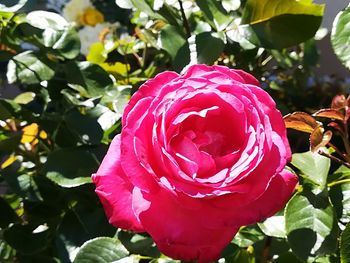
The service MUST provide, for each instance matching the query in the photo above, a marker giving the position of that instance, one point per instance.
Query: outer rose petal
(271, 201)
(177, 230)
(150, 88)
(115, 190)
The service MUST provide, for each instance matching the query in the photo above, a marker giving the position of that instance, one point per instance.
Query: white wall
(329, 63)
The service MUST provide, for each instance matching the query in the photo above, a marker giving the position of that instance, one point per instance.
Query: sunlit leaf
(43, 20)
(25, 97)
(300, 19)
(301, 121)
(340, 36)
(274, 226)
(312, 166)
(340, 194)
(345, 245)
(339, 102)
(176, 45)
(329, 114)
(310, 225)
(29, 68)
(247, 236)
(109, 250)
(13, 8)
(209, 47)
(215, 14)
(65, 42)
(70, 167)
(319, 139)
(127, 4)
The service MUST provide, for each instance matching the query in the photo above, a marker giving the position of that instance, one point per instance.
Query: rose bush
(199, 156)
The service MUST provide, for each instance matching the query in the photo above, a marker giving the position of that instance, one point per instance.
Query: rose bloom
(199, 156)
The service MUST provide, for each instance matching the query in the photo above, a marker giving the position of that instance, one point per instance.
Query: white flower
(82, 12)
(90, 35)
(75, 8)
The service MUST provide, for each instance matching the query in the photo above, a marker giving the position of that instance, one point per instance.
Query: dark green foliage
(54, 134)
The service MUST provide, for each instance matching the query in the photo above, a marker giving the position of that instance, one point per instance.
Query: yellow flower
(30, 133)
(12, 158)
(91, 17)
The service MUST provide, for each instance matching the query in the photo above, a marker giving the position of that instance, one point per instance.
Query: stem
(184, 20)
(334, 159)
(346, 143)
(338, 151)
(266, 250)
(339, 182)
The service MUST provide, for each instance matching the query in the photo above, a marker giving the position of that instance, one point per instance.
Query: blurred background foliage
(73, 65)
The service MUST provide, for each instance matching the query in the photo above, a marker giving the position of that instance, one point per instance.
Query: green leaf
(29, 68)
(68, 182)
(109, 250)
(24, 185)
(65, 42)
(288, 257)
(176, 45)
(70, 167)
(345, 245)
(300, 19)
(274, 226)
(127, 4)
(97, 53)
(311, 225)
(138, 244)
(247, 236)
(105, 117)
(86, 128)
(340, 36)
(146, 6)
(340, 195)
(8, 215)
(241, 256)
(209, 47)
(313, 167)
(90, 76)
(215, 14)
(6, 252)
(14, 8)
(27, 239)
(44, 20)
(9, 142)
(25, 97)
(78, 225)
(8, 109)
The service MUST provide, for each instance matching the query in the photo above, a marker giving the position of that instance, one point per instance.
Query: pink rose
(199, 156)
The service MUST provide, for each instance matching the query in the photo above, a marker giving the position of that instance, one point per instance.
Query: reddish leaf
(338, 102)
(334, 125)
(319, 139)
(330, 114)
(300, 121)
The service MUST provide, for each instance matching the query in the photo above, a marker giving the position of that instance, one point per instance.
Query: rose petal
(149, 89)
(176, 229)
(115, 190)
(273, 199)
